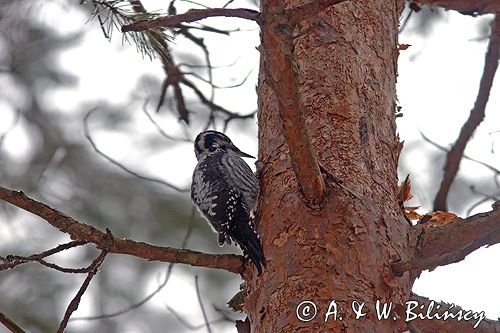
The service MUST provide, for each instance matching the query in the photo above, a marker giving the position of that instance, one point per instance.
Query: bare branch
(159, 42)
(121, 166)
(209, 29)
(156, 291)
(75, 302)
(83, 232)
(492, 168)
(213, 105)
(452, 242)
(13, 261)
(191, 16)
(160, 130)
(11, 326)
(470, 7)
(485, 197)
(200, 42)
(225, 67)
(476, 116)
(200, 301)
(236, 85)
(282, 74)
(463, 326)
(188, 325)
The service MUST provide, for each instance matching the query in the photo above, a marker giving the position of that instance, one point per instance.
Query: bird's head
(209, 142)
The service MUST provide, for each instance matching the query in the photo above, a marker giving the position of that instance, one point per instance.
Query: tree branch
(13, 261)
(118, 164)
(155, 292)
(191, 16)
(471, 7)
(476, 116)
(200, 301)
(75, 302)
(450, 325)
(11, 326)
(105, 241)
(282, 75)
(452, 242)
(486, 165)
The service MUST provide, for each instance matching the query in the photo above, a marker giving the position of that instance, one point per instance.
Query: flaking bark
(346, 57)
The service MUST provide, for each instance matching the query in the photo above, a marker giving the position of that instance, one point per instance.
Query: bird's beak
(242, 154)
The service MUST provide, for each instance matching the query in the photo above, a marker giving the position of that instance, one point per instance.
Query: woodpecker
(225, 191)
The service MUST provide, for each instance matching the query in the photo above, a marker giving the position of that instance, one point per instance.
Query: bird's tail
(248, 239)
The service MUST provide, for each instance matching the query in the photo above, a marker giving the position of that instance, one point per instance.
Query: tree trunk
(347, 59)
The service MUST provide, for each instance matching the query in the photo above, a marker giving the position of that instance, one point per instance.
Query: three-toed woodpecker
(225, 191)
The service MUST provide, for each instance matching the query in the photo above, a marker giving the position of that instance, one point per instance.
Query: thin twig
(183, 64)
(476, 116)
(160, 45)
(486, 197)
(13, 261)
(75, 302)
(212, 105)
(199, 77)
(492, 168)
(227, 3)
(156, 291)
(118, 164)
(187, 324)
(211, 29)
(64, 269)
(160, 130)
(11, 326)
(201, 43)
(205, 318)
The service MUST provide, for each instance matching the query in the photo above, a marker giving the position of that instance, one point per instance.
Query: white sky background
(437, 91)
(437, 86)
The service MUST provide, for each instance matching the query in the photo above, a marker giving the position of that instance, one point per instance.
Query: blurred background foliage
(49, 157)
(56, 164)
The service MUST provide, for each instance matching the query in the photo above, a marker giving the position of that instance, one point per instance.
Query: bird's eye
(212, 149)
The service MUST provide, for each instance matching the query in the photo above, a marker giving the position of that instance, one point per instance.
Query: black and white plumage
(225, 191)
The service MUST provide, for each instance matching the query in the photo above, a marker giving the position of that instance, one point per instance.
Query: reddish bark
(450, 243)
(346, 57)
(282, 75)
